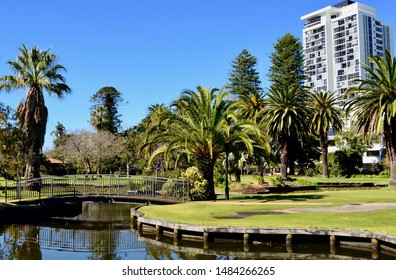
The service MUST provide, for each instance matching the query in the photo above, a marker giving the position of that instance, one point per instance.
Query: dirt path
(353, 207)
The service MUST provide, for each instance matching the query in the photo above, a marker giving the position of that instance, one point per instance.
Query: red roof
(55, 161)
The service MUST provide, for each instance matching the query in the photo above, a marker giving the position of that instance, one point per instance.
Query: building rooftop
(343, 4)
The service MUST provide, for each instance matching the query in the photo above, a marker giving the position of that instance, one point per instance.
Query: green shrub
(310, 172)
(198, 185)
(277, 181)
(384, 173)
(169, 189)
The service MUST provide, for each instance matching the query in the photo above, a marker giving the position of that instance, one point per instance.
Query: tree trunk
(283, 159)
(238, 175)
(32, 115)
(32, 166)
(261, 172)
(227, 190)
(206, 167)
(323, 145)
(390, 142)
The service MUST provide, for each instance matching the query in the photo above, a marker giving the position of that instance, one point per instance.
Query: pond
(102, 231)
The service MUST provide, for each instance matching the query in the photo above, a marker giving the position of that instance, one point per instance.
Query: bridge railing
(109, 185)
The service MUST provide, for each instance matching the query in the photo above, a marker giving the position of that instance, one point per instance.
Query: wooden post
(333, 240)
(289, 239)
(206, 236)
(176, 233)
(374, 244)
(159, 229)
(289, 247)
(246, 247)
(246, 238)
(375, 254)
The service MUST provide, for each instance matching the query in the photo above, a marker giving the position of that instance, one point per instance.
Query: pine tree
(244, 78)
(104, 112)
(287, 63)
(286, 73)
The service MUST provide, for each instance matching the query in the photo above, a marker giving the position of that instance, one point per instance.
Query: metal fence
(109, 185)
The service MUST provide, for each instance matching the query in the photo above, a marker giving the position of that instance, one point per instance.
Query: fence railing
(109, 185)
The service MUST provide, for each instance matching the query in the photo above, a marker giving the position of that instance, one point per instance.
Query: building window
(373, 153)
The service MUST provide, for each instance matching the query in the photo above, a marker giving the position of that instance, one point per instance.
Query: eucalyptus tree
(38, 71)
(326, 114)
(90, 150)
(201, 127)
(285, 116)
(372, 104)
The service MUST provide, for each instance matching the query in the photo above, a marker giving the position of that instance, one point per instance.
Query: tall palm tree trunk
(32, 115)
(227, 189)
(283, 158)
(390, 140)
(324, 145)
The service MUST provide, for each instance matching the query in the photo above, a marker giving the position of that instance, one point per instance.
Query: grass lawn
(212, 213)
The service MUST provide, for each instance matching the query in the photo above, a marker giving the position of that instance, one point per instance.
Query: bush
(277, 181)
(198, 185)
(385, 173)
(169, 190)
(310, 172)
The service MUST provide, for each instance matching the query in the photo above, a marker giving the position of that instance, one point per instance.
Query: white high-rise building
(336, 40)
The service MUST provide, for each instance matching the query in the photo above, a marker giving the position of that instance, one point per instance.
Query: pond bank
(251, 235)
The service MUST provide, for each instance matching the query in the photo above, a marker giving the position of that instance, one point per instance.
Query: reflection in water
(169, 248)
(103, 232)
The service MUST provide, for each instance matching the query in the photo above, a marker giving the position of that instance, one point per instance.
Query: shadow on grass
(277, 197)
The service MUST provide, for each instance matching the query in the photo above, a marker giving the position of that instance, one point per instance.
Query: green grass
(210, 213)
(365, 179)
(251, 181)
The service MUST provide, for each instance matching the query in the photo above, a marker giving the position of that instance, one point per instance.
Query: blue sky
(150, 50)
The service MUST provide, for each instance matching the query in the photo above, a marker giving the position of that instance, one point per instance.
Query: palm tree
(37, 70)
(250, 105)
(99, 117)
(154, 114)
(285, 116)
(202, 127)
(326, 114)
(372, 104)
(234, 131)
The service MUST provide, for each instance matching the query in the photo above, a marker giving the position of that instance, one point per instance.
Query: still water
(103, 232)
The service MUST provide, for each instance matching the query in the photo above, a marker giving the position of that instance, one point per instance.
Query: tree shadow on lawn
(276, 197)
